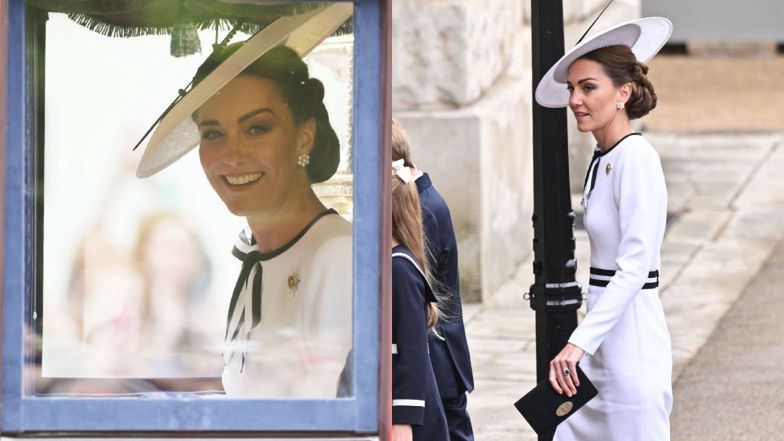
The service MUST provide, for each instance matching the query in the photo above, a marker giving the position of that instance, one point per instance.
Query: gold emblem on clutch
(293, 283)
(608, 168)
(564, 408)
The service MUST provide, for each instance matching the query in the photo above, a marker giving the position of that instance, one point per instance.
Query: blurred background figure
(147, 302)
(140, 313)
(175, 273)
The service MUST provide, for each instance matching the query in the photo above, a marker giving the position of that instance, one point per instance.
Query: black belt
(651, 284)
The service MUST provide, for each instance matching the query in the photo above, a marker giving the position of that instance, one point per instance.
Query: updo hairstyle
(303, 95)
(620, 64)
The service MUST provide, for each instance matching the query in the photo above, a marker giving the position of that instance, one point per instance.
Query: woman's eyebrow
(253, 113)
(582, 81)
(243, 118)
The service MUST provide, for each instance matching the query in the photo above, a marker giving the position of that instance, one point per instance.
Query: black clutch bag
(544, 408)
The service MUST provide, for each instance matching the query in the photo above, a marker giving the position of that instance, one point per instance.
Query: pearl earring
(303, 160)
(620, 106)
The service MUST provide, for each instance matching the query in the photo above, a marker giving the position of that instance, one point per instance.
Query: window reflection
(139, 274)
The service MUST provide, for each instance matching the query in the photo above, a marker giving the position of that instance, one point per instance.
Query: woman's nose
(234, 151)
(574, 99)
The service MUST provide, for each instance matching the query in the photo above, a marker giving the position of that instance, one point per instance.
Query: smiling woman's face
(250, 144)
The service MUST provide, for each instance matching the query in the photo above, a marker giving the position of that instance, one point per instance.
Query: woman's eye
(211, 134)
(258, 129)
(588, 87)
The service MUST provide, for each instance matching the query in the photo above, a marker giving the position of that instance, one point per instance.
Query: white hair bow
(402, 172)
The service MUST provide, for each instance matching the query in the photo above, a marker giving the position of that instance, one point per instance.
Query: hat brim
(645, 37)
(176, 134)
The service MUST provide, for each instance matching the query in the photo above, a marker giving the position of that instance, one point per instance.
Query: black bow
(597, 157)
(250, 261)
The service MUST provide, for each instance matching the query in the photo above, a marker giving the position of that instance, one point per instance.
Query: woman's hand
(402, 432)
(563, 370)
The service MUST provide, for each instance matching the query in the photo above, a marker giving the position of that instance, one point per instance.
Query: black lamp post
(555, 294)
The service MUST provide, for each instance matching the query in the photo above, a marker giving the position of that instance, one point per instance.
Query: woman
(265, 137)
(417, 412)
(622, 344)
(174, 272)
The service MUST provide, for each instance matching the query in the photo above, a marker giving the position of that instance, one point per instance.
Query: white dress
(300, 345)
(628, 351)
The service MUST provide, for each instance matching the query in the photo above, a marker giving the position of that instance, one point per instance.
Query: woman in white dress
(264, 137)
(622, 344)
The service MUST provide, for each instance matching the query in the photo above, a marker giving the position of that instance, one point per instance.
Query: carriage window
(215, 259)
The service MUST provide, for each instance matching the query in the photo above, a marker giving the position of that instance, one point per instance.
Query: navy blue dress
(450, 356)
(415, 398)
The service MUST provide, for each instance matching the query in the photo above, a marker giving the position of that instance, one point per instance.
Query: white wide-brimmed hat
(645, 36)
(176, 134)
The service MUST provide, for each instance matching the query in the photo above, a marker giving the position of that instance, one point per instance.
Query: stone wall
(448, 53)
(462, 89)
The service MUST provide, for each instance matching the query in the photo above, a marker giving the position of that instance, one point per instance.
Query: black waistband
(609, 273)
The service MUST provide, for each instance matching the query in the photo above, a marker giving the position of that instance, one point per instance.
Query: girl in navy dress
(417, 413)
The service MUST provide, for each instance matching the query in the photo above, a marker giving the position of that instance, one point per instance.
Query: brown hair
(407, 230)
(401, 145)
(620, 64)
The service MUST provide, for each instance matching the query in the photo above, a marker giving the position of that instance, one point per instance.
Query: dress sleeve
(409, 353)
(641, 198)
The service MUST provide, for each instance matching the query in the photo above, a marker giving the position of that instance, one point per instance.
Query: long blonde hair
(408, 231)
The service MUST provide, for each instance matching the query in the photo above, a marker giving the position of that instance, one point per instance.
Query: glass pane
(228, 271)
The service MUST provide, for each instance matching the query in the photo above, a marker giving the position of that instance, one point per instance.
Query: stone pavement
(726, 204)
(736, 377)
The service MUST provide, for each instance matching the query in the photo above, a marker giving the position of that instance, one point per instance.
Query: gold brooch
(564, 409)
(293, 283)
(608, 168)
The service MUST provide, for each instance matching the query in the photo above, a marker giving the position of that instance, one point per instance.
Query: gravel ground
(717, 94)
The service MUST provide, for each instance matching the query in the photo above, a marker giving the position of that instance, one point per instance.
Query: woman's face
(593, 97)
(171, 252)
(250, 144)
